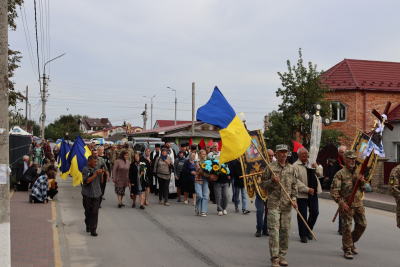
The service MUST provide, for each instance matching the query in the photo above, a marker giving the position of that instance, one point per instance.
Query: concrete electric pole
(5, 251)
(176, 101)
(144, 117)
(193, 108)
(151, 126)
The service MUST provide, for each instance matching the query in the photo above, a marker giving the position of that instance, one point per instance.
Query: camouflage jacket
(342, 186)
(394, 182)
(116, 154)
(110, 154)
(130, 154)
(277, 199)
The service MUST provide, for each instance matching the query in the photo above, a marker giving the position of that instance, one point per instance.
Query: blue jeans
(312, 204)
(237, 200)
(201, 195)
(261, 223)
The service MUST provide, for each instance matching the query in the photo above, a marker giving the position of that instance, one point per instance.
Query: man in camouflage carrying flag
(341, 189)
(279, 205)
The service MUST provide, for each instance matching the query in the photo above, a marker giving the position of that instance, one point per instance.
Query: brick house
(88, 125)
(358, 86)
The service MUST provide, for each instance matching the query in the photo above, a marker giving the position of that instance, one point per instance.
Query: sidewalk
(372, 200)
(34, 237)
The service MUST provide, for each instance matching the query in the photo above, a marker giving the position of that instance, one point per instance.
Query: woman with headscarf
(136, 178)
(121, 176)
(179, 161)
(162, 169)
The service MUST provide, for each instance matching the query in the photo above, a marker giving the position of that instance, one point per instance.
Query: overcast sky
(118, 53)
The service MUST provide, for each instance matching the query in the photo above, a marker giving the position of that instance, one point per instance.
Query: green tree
(301, 88)
(61, 126)
(13, 56)
(332, 136)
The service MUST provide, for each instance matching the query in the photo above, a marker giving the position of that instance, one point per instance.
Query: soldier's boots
(348, 255)
(275, 262)
(354, 250)
(283, 262)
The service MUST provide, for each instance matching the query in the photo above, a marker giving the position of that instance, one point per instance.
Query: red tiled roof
(394, 114)
(165, 123)
(353, 74)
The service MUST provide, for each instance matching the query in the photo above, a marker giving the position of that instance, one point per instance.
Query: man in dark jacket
(337, 166)
(22, 167)
(27, 178)
(153, 156)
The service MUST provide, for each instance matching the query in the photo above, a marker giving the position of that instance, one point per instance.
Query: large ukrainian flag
(63, 164)
(234, 136)
(78, 160)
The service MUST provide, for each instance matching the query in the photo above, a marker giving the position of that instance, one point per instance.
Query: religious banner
(359, 145)
(252, 162)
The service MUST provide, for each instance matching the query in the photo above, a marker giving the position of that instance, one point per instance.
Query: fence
(19, 146)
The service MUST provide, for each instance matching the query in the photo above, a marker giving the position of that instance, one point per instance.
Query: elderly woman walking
(201, 186)
(162, 169)
(189, 171)
(121, 176)
(136, 178)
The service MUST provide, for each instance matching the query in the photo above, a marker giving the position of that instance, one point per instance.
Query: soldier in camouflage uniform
(341, 188)
(110, 155)
(118, 151)
(130, 152)
(279, 206)
(394, 190)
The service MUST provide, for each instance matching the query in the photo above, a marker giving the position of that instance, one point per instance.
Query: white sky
(118, 53)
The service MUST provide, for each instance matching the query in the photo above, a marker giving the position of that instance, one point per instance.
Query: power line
(26, 39)
(37, 45)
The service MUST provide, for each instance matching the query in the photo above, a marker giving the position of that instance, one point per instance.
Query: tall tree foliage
(301, 88)
(62, 125)
(13, 56)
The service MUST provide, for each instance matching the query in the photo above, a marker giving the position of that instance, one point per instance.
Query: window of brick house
(338, 111)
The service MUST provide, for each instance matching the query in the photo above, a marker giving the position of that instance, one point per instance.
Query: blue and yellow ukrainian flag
(78, 160)
(234, 136)
(63, 164)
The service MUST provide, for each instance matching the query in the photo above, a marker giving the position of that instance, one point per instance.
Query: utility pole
(43, 116)
(30, 116)
(26, 109)
(176, 101)
(144, 116)
(151, 126)
(5, 251)
(193, 108)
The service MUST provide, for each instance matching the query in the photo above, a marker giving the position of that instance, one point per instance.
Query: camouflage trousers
(398, 213)
(279, 223)
(349, 238)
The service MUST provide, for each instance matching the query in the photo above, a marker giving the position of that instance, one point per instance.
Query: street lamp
(175, 101)
(43, 115)
(151, 108)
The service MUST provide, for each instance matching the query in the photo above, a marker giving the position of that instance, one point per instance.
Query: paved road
(174, 236)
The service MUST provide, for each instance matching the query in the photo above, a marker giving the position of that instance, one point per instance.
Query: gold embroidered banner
(252, 162)
(359, 145)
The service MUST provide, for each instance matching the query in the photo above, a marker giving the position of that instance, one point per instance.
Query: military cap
(281, 147)
(351, 154)
(183, 145)
(193, 147)
(126, 143)
(119, 144)
(187, 144)
(157, 145)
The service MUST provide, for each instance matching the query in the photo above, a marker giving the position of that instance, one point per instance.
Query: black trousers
(312, 204)
(23, 186)
(91, 206)
(163, 189)
(103, 188)
(211, 189)
(35, 200)
(52, 192)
